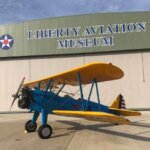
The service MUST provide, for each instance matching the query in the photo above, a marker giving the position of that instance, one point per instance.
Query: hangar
(40, 48)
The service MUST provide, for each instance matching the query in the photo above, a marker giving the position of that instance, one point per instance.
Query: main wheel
(30, 127)
(45, 131)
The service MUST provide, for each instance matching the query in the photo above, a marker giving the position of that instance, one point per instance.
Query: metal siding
(12, 73)
(48, 66)
(122, 41)
(134, 85)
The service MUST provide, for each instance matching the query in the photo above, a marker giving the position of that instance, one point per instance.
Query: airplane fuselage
(49, 101)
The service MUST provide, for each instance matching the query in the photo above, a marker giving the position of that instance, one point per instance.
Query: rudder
(118, 103)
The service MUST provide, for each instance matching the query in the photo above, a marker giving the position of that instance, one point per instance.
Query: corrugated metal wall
(134, 86)
(104, 32)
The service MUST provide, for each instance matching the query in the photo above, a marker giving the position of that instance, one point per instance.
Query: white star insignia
(6, 41)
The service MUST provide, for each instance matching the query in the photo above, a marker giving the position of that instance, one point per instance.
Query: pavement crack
(70, 140)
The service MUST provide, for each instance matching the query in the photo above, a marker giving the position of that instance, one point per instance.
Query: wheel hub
(46, 131)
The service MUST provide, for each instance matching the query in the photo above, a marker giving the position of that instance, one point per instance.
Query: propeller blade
(20, 85)
(12, 102)
(16, 94)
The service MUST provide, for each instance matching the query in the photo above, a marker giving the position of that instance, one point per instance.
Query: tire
(30, 127)
(45, 131)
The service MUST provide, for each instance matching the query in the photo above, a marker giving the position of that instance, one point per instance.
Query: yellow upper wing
(99, 71)
(92, 115)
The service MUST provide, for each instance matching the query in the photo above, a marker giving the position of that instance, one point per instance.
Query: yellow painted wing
(99, 71)
(125, 112)
(91, 115)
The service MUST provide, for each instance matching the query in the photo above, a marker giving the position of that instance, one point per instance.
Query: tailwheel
(30, 127)
(45, 131)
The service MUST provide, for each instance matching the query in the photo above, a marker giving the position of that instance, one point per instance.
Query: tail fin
(118, 107)
(118, 103)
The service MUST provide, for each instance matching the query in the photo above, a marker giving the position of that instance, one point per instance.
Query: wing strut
(89, 95)
(98, 97)
(60, 89)
(39, 85)
(81, 90)
(58, 92)
(48, 85)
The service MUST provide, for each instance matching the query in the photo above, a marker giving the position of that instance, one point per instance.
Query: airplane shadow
(76, 126)
(145, 125)
(64, 134)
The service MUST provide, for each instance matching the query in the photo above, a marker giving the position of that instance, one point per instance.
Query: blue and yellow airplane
(38, 97)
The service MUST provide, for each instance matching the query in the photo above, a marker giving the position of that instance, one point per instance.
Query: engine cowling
(25, 98)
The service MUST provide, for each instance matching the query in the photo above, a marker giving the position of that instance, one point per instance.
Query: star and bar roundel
(6, 42)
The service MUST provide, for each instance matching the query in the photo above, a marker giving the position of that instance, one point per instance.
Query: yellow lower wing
(125, 112)
(98, 116)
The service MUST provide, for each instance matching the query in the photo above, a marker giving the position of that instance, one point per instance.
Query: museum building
(40, 48)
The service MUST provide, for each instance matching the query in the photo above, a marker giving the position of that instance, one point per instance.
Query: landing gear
(30, 127)
(45, 131)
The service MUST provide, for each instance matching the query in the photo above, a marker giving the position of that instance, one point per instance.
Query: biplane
(39, 97)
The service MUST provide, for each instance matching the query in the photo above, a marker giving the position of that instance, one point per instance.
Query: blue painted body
(45, 102)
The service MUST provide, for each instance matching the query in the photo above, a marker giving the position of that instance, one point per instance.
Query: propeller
(15, 96)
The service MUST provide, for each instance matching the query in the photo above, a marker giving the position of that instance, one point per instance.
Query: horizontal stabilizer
(97, 116)
(125, 112)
